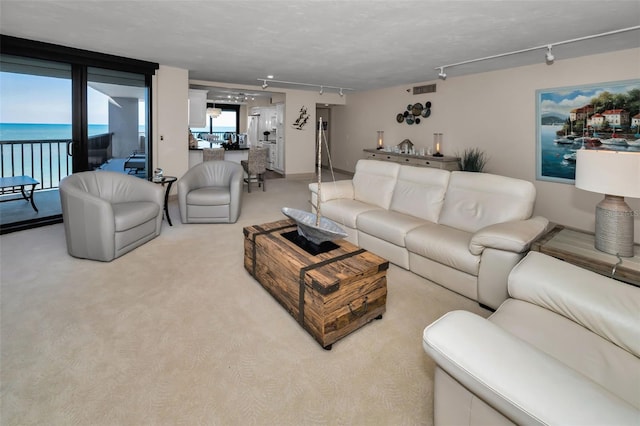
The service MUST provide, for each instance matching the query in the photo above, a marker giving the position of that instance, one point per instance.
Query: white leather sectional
(462, 230)
(564, 349)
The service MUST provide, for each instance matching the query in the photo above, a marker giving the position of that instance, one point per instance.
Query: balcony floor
(47, 202)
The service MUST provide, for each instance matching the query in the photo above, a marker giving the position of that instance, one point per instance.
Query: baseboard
(300, 176)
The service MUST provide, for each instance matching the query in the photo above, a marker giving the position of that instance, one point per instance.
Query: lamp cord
(613, 271)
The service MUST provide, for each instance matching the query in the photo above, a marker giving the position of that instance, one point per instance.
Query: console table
(445, 163)
(578, 248)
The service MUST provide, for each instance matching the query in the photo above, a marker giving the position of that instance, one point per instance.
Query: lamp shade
(608, 172)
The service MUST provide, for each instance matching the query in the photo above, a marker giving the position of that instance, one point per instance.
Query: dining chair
(209, 154)
(255, 167)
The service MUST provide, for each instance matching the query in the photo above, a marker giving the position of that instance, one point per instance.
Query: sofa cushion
(345, 211)
(131, 214)
(476, 200)
(387, 225)
(571, 291)
(445, 245)
(419, 192)
(575, 346)
(209, 196)
(374, 181)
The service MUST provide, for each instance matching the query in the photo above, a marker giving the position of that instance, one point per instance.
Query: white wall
(494, 111)
(171, 121)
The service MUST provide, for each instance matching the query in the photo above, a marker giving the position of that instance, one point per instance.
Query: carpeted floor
(178, 333)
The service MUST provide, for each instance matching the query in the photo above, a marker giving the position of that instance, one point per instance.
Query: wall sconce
(615, 174)
(380, 139)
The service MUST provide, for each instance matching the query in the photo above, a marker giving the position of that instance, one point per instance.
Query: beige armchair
(255, 166)
(211, 192)
(107, 214)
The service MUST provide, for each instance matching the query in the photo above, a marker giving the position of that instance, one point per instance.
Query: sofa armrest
(515, 236)
(515, 378)
(333, 190)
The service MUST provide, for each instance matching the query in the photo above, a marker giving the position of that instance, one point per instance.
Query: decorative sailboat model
(312, 226)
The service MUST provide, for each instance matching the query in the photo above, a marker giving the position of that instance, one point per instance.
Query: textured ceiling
(363, 44)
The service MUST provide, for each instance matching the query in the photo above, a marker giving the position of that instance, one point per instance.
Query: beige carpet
(177, 333)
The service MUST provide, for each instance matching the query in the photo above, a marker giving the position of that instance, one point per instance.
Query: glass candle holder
(380, 139)
(437, 144)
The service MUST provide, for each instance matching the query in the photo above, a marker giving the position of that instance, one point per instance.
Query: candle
(437, 146)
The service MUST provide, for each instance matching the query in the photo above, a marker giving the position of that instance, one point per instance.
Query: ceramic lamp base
(614, 226)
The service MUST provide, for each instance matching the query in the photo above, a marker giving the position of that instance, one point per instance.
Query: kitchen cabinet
(198, 108)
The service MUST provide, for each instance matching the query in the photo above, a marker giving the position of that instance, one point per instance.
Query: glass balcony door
(35, 134)
(117, 117)
(57, 119)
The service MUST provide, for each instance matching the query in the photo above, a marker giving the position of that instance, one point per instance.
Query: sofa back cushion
(419, 192)
(374, 181)
(475, 200)
(607, 307)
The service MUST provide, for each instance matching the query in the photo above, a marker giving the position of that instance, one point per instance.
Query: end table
(578, 248)
(169, 181)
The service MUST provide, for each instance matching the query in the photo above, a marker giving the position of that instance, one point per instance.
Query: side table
(578, 248)
(169, 181)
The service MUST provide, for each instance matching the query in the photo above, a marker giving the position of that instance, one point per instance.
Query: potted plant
(472, 160)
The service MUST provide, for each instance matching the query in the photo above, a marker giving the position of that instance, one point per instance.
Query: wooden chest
(330, 294)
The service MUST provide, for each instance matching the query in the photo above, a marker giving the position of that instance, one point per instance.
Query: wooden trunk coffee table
(331, 293)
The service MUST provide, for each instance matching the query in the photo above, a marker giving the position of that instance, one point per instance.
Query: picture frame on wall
(597, 116)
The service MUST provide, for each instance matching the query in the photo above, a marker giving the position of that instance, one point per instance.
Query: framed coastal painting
(597, 116)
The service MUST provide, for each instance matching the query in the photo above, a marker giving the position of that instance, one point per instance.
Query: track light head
(549, 56)
(442, 74)
(264, 84)
(341, 93)
(321, 90)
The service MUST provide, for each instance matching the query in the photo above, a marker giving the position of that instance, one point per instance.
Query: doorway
(324, 113)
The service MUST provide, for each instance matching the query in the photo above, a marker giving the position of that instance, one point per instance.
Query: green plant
(472, 160)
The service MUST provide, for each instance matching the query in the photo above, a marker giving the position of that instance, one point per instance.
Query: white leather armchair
(211, 192)
(107, 214)
(563, 349)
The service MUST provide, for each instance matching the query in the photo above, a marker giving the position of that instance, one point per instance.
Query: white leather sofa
(462, 230)
(563, 349)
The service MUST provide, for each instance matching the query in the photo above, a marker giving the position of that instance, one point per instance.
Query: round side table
(162, 181)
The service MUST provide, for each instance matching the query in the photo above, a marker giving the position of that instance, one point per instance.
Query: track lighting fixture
(549, 56)
(320, 86)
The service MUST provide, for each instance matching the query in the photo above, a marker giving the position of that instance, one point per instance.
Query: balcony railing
(44, 160)
(47, 161)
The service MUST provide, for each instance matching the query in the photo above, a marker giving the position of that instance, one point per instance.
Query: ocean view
(39, 131)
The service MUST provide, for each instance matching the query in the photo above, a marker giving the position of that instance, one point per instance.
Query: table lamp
(617, 175)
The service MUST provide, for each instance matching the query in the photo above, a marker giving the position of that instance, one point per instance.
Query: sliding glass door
(117, 117)
(65, 111)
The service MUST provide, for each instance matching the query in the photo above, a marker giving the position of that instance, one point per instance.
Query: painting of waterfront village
(600, 116)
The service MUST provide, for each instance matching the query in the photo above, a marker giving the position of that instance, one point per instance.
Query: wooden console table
(445, 163)
(578, 248)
